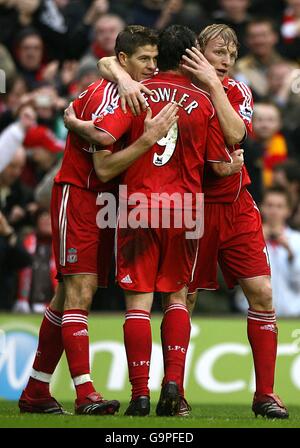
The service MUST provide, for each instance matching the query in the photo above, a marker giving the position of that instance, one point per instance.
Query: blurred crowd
(48, 52)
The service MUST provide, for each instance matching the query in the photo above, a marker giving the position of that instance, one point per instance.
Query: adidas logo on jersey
(126, 279)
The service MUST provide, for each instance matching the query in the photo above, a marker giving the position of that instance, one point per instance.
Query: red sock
(48, 354)
(138, 345)
(262, 335)
(175, 335)
(76, 344)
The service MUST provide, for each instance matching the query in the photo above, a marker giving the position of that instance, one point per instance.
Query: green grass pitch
(203, 416)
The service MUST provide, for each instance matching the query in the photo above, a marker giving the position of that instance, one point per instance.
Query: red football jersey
(175, 163)
(227, 189)
(77, 166)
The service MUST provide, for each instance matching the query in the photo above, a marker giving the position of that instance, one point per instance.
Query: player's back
(175, 163)
(77, 166)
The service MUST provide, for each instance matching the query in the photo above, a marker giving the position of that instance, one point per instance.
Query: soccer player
(76, 235)
(145, 255)
(233, 234)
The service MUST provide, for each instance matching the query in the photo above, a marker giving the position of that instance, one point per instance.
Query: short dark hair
(27, 32)
(261, 19)
(134, 36)
(173, 42)
(278, 189)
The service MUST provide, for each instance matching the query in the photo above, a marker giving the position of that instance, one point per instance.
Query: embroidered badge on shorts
(72, 255)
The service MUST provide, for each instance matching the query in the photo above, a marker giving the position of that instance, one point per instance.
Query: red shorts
(80, 247)
(233, 237)
(151, 259)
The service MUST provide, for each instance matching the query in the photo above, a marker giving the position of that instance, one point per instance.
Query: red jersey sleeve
(240, 97)
(216, 150)
(115, 123)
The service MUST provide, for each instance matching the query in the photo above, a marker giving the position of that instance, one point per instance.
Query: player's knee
(176, 297)
(79, 293)
(263, 297)
(190, 301)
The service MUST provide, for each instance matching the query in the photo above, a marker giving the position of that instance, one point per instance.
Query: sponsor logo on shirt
(246, 112)
(110, 109)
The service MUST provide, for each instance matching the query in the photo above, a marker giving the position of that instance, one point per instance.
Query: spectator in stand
(267, 134)
(261, 40)
(105, 31)
(283, 245)
(235, 14)
(49, 107)
(156, 13)
(290, 30)
(13, 135)
(282, 89)
(16, 88)
(86, 74)
(287, 175)
(266, 148)
(37, 283)
(14, 16)
(16, 200)
(43, 149)
(13, 256)
(193, 16)
(29, 52)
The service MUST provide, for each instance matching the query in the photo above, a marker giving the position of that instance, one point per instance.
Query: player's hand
(131, 93)
(197, 64)
(69, 115)
(157, 127)
(237, 161)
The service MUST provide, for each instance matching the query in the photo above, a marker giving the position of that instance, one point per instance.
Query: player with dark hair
(145, 255)
(77, 239)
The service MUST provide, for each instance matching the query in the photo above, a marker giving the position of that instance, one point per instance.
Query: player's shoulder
(99, 96)
(235, 87)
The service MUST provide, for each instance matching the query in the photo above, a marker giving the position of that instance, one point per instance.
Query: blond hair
(218, 30)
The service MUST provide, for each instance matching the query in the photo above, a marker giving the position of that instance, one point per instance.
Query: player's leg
(205, 271)
(79, 292)
(172, 281)
(175, 336)
(243, 259)
(36, 396)
(262, 335)
(137, 260)
(138, 346)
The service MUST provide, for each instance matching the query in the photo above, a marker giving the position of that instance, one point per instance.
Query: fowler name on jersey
(173, 95)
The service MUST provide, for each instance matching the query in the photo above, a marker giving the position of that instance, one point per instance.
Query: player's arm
(109, 165)
(232, 125)
(224, 169)
(130, 91)
(86, 129)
